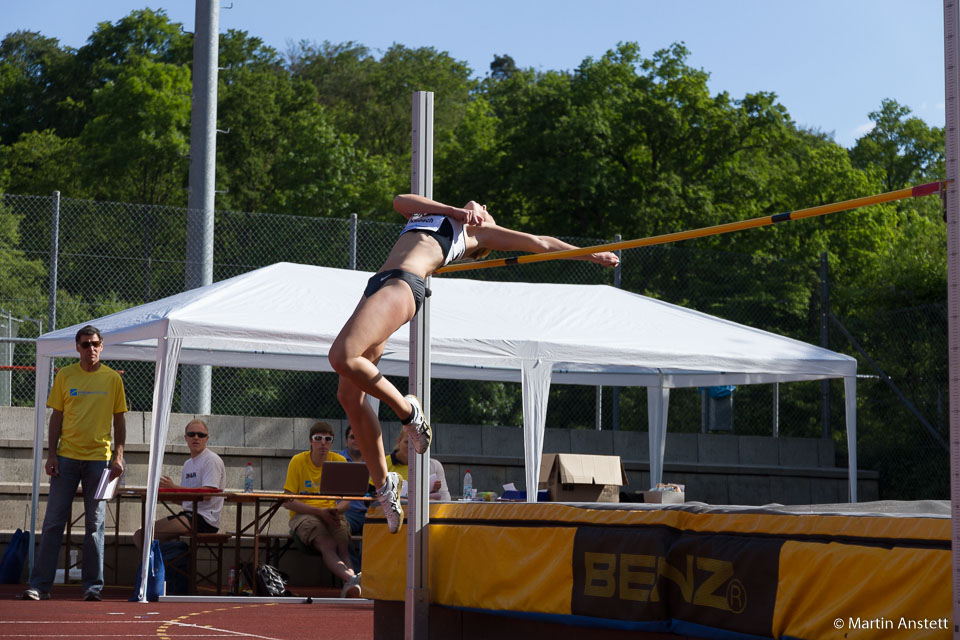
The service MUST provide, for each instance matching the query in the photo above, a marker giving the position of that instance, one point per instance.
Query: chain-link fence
(112, 256)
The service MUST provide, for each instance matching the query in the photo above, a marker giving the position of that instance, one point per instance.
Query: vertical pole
(597, 420)
(951, 31)
(353, 241)
(776, 409)
(54, 260)
(704, 417)
(6, 377)
(6, 349)
(195, 396)
(417, 596)
(824, 342)
(615, 404)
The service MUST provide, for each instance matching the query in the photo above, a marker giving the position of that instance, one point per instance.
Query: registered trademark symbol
(736, 596)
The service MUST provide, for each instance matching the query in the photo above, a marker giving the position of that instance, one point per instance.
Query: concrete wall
(717, 468)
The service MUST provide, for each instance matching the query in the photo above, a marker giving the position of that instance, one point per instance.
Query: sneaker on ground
(417, 429)
(92, 596)
(351, 589)
(33, 594)
(389, 497)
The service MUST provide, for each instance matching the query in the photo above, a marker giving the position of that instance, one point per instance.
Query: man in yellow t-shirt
(316, 522)
(86, 398)
(399, 460)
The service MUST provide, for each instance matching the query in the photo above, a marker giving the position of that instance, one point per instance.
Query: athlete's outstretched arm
(503, 239)
(409, 204)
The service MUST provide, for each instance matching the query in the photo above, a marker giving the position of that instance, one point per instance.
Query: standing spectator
(318, 523)
(204, 469)
(354, 510)
(85, 398)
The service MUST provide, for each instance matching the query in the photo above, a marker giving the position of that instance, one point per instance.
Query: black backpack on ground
(269, 580)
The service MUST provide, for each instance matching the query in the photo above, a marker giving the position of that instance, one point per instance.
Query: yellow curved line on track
(162, 630)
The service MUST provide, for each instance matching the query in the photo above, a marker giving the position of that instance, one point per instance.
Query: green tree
(371, 99)
(625, 145)
(35, 77)
(321, 171)
(21, 278)
(135, 149)
(41, 162)
(143, 33)
(281, 153)
(906, 148)
(502, 67)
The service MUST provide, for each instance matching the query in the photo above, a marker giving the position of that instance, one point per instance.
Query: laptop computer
(344, 479)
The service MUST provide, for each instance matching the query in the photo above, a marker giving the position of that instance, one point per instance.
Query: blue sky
(829, 62)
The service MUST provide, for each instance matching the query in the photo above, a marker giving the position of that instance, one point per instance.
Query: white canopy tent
(286, 316)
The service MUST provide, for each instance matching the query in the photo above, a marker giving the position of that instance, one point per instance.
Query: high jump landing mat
(544, 570)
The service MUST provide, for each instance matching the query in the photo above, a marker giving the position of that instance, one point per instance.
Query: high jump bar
(910, 192)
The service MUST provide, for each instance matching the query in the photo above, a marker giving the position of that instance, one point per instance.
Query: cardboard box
(572, 477)
(664, 497)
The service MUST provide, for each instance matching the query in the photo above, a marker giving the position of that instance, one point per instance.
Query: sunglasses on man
(196, 434)
(319, 437)
(86, 344)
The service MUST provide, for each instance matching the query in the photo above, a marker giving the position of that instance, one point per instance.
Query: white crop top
(448, 232)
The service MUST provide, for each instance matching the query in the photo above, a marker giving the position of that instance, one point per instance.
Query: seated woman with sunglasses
(436, 234)
(203, 470)
(318, 523)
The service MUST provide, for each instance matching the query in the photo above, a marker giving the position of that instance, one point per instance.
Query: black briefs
(417, 285)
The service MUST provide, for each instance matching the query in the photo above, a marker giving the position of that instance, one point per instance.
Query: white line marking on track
(228, 631)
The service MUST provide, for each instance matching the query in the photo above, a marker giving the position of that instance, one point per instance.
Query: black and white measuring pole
(417, 595)
(951, 65)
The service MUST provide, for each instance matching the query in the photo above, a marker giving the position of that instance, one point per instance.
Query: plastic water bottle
(231, 580)
(467, 486)
(75, 573)
(248, 478)
(122, 482)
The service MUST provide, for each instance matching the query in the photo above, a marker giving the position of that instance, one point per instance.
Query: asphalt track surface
(68, 616)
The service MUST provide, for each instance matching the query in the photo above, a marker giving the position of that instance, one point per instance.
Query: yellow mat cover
(747, 573)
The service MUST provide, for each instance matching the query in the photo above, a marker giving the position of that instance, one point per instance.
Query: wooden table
(261, 518)
(254, 529)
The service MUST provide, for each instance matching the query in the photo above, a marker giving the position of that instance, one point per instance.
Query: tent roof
(286, 316)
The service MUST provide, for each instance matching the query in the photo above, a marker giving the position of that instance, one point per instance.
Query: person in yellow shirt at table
(399, 460)
(318, 523)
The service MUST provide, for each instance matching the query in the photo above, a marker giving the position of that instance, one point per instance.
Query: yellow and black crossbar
(901, 194)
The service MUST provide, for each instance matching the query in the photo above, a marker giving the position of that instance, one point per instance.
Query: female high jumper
(436, 234)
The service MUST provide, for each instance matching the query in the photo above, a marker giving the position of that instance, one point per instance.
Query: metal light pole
(195, 396)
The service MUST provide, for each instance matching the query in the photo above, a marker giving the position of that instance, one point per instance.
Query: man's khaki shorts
(309, 528)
